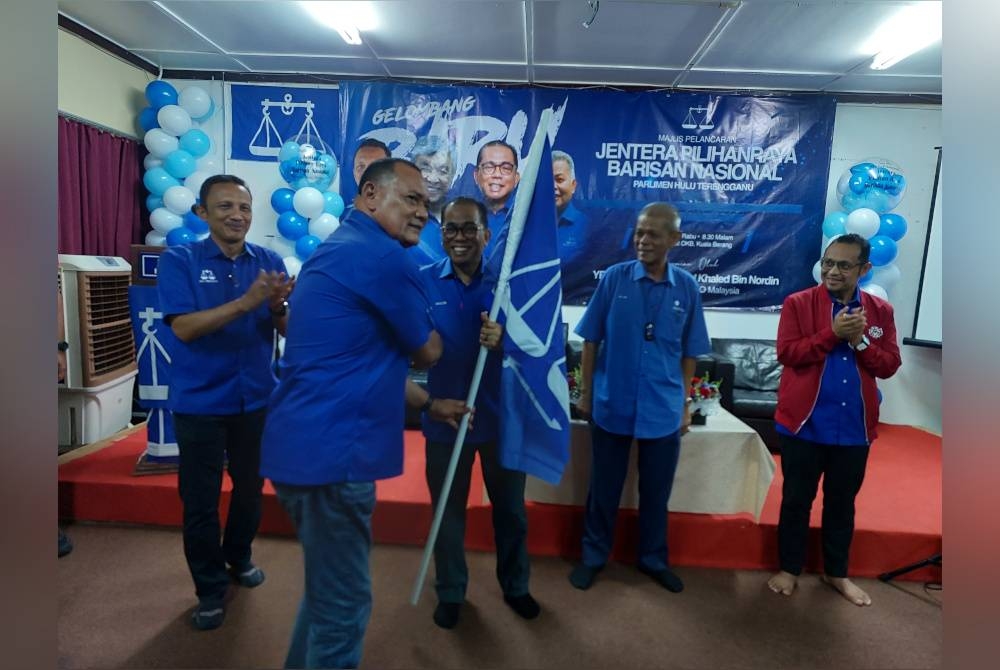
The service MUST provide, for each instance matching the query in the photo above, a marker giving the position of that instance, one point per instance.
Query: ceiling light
(347, 18)
(910, 30)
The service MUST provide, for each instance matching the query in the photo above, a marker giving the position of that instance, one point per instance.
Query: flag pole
(522, 202)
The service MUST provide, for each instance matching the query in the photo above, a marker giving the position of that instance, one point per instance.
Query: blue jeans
(333, 522)
(510, 522)
(609, 466)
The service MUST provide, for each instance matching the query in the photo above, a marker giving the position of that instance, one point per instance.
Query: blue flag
(534, 427)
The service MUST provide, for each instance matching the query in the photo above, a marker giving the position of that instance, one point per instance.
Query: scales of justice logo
(308, 132)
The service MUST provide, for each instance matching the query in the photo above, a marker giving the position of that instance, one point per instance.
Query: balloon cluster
(178, 161)
(307, 211)
(867, 192)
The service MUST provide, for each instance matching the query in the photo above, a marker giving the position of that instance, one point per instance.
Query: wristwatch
(426, 407)
(863, 344)
(281, 311)
(63, 345)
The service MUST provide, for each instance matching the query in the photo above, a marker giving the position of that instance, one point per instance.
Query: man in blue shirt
(359, 314)
(642, 331)
(497, 176)
(572, 222)
(224, 298)
(461, 295)
(435, 157)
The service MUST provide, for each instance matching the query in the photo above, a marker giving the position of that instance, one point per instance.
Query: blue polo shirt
(456, 308)
(228, 371)
(430, 248)
(638, 384)
(838, 418)
(496, 221)
(571, 232)
(359, 309)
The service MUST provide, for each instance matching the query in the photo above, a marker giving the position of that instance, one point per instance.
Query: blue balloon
(878, 200)
(305, 246)
(289, 150)
(281, 200)
(195, 223)
(292, 226)
(851, 201)
(884, 250)
(158, 180)
(153, 201)
(867, 277)
(835, 224)
(147, 119)
(179, 164)
(893, 226)
(857, 184)
(180, 235)
(160, 93)
(333, 203)
(195, 142)
(292, 170)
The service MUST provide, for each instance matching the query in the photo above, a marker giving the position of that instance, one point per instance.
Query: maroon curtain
(101, 210)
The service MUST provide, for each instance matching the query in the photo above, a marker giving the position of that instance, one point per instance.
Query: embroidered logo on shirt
(207, 277)
(441, 302)
(875, 332)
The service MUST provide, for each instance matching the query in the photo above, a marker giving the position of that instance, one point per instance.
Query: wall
(99, 87)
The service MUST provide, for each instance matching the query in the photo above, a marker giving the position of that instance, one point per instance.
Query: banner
(265, 117)
(748, 174)
(153, 340)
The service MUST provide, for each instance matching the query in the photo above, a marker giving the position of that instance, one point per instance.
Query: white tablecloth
(724, 468)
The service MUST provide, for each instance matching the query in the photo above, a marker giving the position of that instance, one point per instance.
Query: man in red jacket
(833, 341)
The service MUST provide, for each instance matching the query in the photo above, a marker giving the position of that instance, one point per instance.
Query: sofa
(756, 373)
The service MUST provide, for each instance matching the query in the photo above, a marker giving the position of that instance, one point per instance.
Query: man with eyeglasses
(834, 340)
(461, 294)
(435, 157)
(496, 175)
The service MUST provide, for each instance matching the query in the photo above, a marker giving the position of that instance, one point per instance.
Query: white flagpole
(522, 202)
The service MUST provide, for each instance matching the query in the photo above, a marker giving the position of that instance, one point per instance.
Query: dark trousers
(609, 466)
(510, 522)
(843, 470)
(205, 441)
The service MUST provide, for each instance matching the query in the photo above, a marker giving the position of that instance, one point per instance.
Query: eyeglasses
(843, 266)
(468, 230)
(506, 169)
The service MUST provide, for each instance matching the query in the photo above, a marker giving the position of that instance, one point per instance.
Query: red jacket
(805, 337)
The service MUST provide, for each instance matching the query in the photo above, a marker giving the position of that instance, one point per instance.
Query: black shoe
(209, 614)
(583, 576)
(248, 575)
(446, 614)
(665, 578)
(65, 544)
(525, 606)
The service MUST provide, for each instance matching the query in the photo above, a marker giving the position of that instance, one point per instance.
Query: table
(724, 468)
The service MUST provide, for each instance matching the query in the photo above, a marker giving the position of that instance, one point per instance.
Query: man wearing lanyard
(642, 331)
(224, 298)
(833, 341)
(461, 295)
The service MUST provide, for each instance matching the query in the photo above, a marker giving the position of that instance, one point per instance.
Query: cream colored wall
(99, 87)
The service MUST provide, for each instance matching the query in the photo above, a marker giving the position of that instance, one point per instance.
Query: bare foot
(848, 589)
(783, 583)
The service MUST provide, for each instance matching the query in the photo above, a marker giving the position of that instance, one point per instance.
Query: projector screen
(927, 319)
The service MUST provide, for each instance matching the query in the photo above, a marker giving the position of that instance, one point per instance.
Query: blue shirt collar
(639, 272)
(855, 299)
(447, 270)
(212, 249)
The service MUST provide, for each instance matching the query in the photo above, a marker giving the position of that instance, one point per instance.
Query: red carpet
(898, 511)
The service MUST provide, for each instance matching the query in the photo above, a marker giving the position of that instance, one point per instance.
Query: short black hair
(206, 186)
(382, 170)
(495, 143)
(372, 142)
(484, 216)
(857, 240)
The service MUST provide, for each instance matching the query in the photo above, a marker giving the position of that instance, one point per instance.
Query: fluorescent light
(347, 18)
(907, 32)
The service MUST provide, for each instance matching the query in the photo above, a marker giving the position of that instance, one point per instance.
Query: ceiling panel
(508, 72)
(874, 83)
(755, 80)
(348, 67)
(173, 60)
(134, 25)
(623, 76)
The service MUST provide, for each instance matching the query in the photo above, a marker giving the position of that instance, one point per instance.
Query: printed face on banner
(565, 184)
(496, 175)
(437, 172)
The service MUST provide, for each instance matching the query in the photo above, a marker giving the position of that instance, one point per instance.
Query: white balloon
(202, 236)
(209, 164)
(195, 101)
(156, 239)
(174, 120)
(865, 222)
(178, 199)
(886, 276)
(195, 179)
(159, 142)
(826, 243)
(875, 290)
(323, 225)
(308, 202)
(842, 183)
(816, 274)
(163, 220)
(151, 161)
(282, 246)
(292, 265)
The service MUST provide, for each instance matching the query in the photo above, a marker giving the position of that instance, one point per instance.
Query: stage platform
(898, 518)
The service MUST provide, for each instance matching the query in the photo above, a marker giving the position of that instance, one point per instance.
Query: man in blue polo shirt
(497, 176)
(461, 295)
(642, 331)
(224, 298)
(359, 314)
